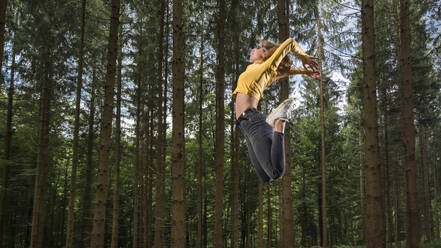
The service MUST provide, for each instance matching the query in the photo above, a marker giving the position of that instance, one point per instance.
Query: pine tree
(99, 216)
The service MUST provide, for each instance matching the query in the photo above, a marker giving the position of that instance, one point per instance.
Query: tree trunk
(41, 178)
(201, 159)
(137, 173)
(287, 219)
(426, 190)
(220, 127)
(322, 128)
(73, 183)
(374, 209)
(3, 5)
(270, 217)
(407, 128)
(86, 220)
(115, 210)
(235, 8)
(260, 216)
(160, 169)
(99, 217)
(8, 141)
(178, 136)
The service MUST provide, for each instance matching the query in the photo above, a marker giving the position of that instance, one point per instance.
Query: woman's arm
(292, 71)
(289, 45)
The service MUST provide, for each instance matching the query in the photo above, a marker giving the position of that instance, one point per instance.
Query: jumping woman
(264, 136)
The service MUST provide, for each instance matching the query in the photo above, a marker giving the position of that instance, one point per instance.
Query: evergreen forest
(118, 125)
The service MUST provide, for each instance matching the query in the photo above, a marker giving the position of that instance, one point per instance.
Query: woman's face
(257, 54)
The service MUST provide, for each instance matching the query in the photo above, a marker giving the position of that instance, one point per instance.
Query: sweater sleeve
(289, 45)
(299, 71)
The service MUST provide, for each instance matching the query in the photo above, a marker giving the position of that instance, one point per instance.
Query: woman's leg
(267, 145)
(257, 167)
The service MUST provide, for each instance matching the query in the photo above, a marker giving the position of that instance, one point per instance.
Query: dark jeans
(266, 148)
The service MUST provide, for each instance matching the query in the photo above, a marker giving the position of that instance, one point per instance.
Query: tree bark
(260, 216)
(116, 189)
(201, 159)
(160, 170)
(73, 183)
(426, 190)
(235, 8)
(99, 217)
(86, 223)
(41, 178)
(322, 128)
(374, 208)
(8, 141)
(3, 5)
(220, 127)
(407, 128)
(270, 218)
(137, 201)
(178, 231)
(287, 219)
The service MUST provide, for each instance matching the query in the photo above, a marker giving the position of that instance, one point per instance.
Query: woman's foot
(282, 112)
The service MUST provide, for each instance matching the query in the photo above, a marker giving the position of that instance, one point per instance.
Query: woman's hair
(270, 48)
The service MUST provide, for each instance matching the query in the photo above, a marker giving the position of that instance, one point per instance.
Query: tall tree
(160, 170)
(116, 189)
(73, 183)
(201, 180)
(407, 128)
(86, 223)
(41, 177)
(286, 217)
(324, 214)
(99, 216)
(178, 231)
(220, 126)
(236, 33)
(3, 6)
(374, 208)
(8, 140)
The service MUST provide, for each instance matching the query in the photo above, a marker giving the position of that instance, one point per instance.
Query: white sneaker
(282, 112)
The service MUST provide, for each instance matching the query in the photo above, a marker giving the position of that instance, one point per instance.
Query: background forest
(117, 125)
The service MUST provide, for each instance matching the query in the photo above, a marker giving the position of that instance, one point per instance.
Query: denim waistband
(244, 114)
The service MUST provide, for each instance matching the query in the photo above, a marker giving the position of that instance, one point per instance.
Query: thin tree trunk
(41, 178)
(73, 183)
(160, 170)
(220, 127)
(287, 219)
(408, 129)
(137, 172)
(178, 136)
(3, 5)
(8, 141)
(235, 8)
(322, 128)
(99, 217)
(201, 159)
(436, 196)
(116, 189)
(362, 191)
(260, 216)
(427, 197)
(86, 220)
(374, 209)
(270, 217)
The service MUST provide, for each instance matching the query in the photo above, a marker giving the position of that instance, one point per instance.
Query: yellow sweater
(258, 76)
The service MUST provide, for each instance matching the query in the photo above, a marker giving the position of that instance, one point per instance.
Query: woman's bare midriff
(244, 102)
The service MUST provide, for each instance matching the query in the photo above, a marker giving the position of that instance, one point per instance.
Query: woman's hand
(312, 63)
(316, 75)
